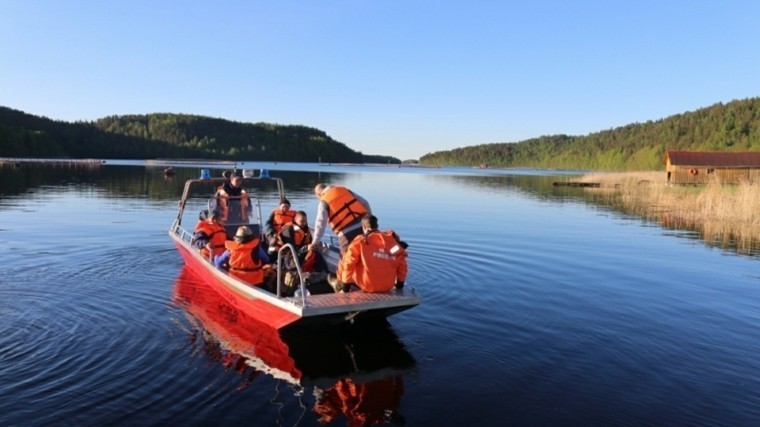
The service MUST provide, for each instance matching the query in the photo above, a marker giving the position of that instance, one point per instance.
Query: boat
(310, 303)
(355, 372)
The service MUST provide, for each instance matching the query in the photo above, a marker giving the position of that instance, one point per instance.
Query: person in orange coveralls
(375, 261)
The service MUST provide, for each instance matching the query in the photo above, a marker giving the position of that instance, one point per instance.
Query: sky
(392, 77)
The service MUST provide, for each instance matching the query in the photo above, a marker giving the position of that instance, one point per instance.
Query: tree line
(170, 136)
(734, 126)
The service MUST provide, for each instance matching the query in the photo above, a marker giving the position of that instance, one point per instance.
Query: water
(539, 308)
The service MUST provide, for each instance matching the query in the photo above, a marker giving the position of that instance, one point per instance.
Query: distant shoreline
(49, 160)
(197, 162)
(148, 162)
(189, 162)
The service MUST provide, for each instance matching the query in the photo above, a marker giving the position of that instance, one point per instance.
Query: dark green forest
(170, 136)
(734, 126)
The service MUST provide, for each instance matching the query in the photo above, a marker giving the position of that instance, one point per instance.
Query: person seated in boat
(298, 234)
(229, 193)
(210, 236)
(202, 217)
(375, 261)
(295, 232)
(244, 257)
(280, 216)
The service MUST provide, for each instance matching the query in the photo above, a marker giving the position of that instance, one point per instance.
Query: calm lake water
(539, 308)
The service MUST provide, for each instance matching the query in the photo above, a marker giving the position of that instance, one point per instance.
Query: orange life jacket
(244, 261)
(295, 235)
(225, 197)
(344, 208)
(300, 238)
(374, 262)
(217, 235)
(280, 219)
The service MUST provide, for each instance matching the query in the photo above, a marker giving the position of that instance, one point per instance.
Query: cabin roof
(713, 158)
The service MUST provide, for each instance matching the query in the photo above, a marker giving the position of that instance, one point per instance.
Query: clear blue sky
(400, 78)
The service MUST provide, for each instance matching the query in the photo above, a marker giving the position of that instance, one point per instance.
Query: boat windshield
(202, 196)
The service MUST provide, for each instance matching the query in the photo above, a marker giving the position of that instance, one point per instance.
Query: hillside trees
(734, 126)
(168, 136)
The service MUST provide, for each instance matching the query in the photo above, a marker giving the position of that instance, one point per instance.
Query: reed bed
(726, 214)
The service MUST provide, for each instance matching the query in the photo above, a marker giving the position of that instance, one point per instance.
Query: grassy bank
(728, 214)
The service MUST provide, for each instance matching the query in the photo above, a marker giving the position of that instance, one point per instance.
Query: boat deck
(352, 301)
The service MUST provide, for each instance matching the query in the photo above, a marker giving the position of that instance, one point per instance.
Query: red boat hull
(242, 334)
(258, 309)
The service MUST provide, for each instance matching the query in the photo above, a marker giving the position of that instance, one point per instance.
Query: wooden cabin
(697, 167)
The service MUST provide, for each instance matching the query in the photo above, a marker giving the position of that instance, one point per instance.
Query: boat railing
(180, 231)
(294, 254)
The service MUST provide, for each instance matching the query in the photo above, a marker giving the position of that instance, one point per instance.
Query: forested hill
(170, 136)
(734, 126)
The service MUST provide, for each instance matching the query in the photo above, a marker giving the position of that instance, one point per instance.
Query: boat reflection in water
(355, 373)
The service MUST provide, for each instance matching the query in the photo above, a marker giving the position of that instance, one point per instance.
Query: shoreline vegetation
(727, 215)
(724, 214)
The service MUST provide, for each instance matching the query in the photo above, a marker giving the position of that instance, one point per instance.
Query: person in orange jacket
(244, 257)
(343, 210)
(280, 216)
(233, 194)
(298, 234)
(375, 261)
(210, 236)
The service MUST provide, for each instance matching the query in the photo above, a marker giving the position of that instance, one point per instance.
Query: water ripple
(85, 330)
